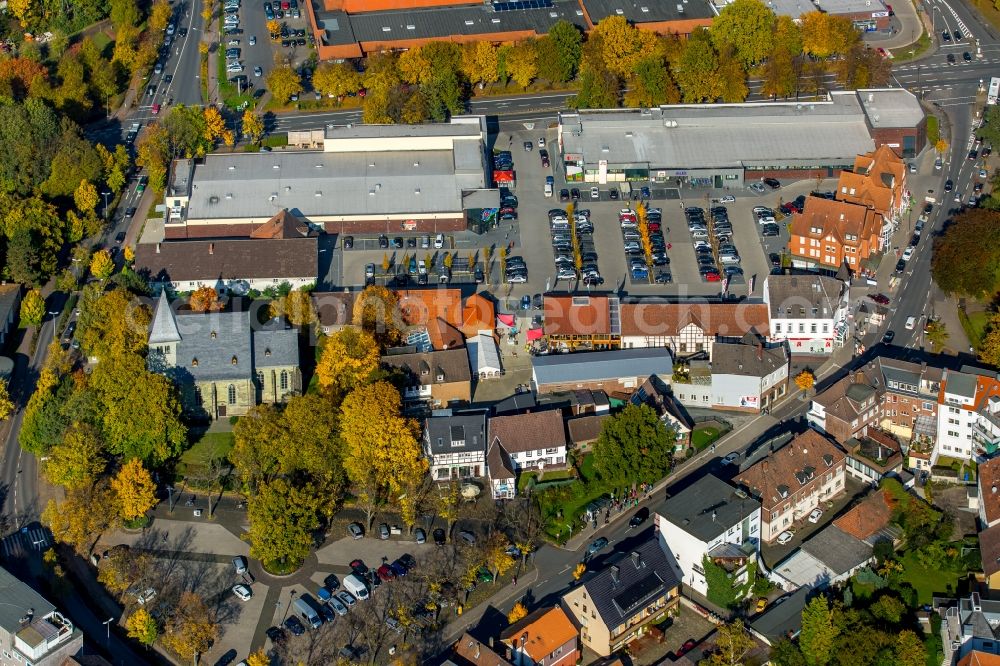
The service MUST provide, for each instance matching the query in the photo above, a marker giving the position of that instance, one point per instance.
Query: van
(911, 323)
(307, 613)
(240, 564)
(355, 586)
(549, 184)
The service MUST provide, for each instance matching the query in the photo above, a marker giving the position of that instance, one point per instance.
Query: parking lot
(252, 27)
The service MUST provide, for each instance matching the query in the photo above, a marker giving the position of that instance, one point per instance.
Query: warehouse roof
(648, 11)
(755, 134)
(891, 107)
(595, 366)
(230, 259)
(257, 185)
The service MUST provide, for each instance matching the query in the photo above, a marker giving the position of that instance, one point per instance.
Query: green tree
(77, 460)
(747, 27)
(598, 89)
(282, 520)
(634, 445)
(142, 627)
(818, 633)
(32, 308)
(652, 85)
(559, 52)
(966, 257)
(697, 70)
(910, 650)
(75, 160)
(283, 82)
(111, 323)
(733, 643)
(732, 77)
(936, 334)
(888, 608)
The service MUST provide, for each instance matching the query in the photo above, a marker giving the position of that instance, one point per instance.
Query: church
(223, 363)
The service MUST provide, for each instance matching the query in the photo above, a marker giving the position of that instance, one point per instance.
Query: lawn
(229, 92)
(916, 50)
(570, 500)
(975, 325)
(702, 437)
(925, 581)
(217, 443)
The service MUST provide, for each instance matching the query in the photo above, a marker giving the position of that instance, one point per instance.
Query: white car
(731, 459)
(908, 253)
(541, 142)
(784, 537)
(595, 193)
(243, 592)
(144, 596)
(729, 198)
(815, 515)
(258, 71)
(439, 241)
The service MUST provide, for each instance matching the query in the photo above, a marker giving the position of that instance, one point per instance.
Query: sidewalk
(454, 629)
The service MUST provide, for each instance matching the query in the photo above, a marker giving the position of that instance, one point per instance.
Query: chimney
(478, 645)
(614, 574)
(760, 351)
(211, 248)
(636, 559)
(157, 248)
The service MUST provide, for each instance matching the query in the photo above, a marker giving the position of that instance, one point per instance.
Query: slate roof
(707, 508)
(784, 619)
(229, 259)
(747, 359)
(795, 296)
(722, 319)
(837, 549)
(529, 432)
(470, 651)
(639, 580)
(989, 548)
(441, 431)
(498, 462)
(214, 345)
(584, 429)
(437, 367)
(164, 326)
(788, 469)
(843, 398)
(604, 365)
(276, 345)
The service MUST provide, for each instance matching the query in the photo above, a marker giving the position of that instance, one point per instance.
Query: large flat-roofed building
(367, 179)
(32, 631)
(728, 145)
(866, 15)
(352, 28)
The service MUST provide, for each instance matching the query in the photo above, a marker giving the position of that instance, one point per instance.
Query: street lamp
(290, 600)
(105, 194)
(170, 499)
(934, 8)
(107, 623)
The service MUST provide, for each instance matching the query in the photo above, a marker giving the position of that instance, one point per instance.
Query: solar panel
(520, 5)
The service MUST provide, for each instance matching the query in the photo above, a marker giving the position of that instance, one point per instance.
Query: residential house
(455, 445)
(829, 233)
(968, 414)
(909, 397)
(878, 182)
(870, 520)
(970, 624)
(536, 440)
(545, 637)
(989, 551)
(32, 631)
(436, 319)
(977, 658)
(222, 363)
(989, 492)
(831, 556)
(501, 470)
(748, 375)
(657, 395)
(470, 651)
(847, 408)
(283, 250)
(873, 456)
(10, 298)
(709, 519)
(609, 371)
(689, 328)
(781, 621)
(440, 378)
(619, 602)
(579, 323)
(807, 311)
(334, 310)
(584, 430)
(794, 480)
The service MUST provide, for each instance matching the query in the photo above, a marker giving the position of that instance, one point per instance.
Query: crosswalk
(20, 544)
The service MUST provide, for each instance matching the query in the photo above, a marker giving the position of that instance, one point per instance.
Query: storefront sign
(749, 401)
(880, 14)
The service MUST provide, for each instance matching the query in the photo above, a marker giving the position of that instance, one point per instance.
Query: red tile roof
(868, 517)
(577, 315)
(545, 629)
(977, 658)
(722, 319)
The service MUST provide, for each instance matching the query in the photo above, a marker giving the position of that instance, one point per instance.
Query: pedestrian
(515, 581)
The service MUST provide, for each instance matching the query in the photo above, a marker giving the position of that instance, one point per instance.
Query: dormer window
(234, 359)
(213, 335)
(440, 377)
(267, 352)
(194, 362)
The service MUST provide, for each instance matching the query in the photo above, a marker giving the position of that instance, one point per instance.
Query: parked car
(354, 529)
(773, 183)
(420, 535)
(439, 536)
(784, 537)
(815, 515)
(294, 625)
(383, 531)
(597, 545)
(242, 592)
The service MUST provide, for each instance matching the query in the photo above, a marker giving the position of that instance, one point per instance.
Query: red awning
(535, 334)
(506, 319)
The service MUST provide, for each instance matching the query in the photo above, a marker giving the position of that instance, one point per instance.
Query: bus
(994, 90)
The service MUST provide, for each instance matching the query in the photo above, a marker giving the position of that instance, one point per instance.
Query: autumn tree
(910, 650)
(652, 85)
(7, 405)
(134, 491)
(204, 299)
(521, 63)
(215, 124)
(382, 456)
(825, 34)
(282, 519)
(85, 197)
(283, 82)
(697, 70)
(80, 518)
(123, 569)
(936, 333)
(111, 323)
(579, 570)
(480, 62)
(190, 629)
(253, 126)
(805, 380)
(258, 658)
(141, 626)
(32, 308)
(989, 348)
(376, 311)
(966, 257)
(623, 45)
(349, 358)
(732, 643)
(336, 79)
(516, 613)
(295, 306)
(153, 152)
(76, 460)
(746, 26)
(102, 265)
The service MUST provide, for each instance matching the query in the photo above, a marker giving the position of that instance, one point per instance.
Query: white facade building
(807, 311)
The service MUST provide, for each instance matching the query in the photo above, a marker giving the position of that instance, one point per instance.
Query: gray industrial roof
(646, 11)
(961, 384)
(470, 429)
(850, 6)
(363, 131)
(258, 185)
(722, 135)
(891, 107)
(18, 600)
(707, 508)
(784, 618)
(791, 8)
(429, 22)
(595, 366)
(837, 549)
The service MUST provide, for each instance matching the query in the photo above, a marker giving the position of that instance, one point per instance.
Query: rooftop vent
(619, 12)
(644, 10)
(229, 195)
(232, 167)
(680, 9)
(496, 20)
(276, 166)
(319, 193)
(386, 28)
(288, 188)
(579, 12)
(553, 15)
(213, 199)
(470, 22)
(319, 166)
(416, 191)
(411, 27)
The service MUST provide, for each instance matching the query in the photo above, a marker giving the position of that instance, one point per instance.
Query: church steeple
(163, 333)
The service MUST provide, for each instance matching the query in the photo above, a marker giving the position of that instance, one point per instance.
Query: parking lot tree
(480, 62)
(495, 554)
(76, 460)
(80, 518)
(697, 70)
(780, 77)
(652, 85)
(521, 63)
(283, 82)
(336, 78)
(448, 501)
(746, 26)
(134, 491)
(966, 259)
(142, 626)
(282, 519)
(447, 260)
(101, 264)
(32, 308)
(623, 45)
(190, 629)
(559, 52)
(376, 310)
(349, 358)
(634, 446)
(122, 568)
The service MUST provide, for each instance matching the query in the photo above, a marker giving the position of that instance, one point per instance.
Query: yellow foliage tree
(259, 658)
(190, 630)
(349, 358)
(516, 613)
(77, 460)
(204, 299)
(134, 490)
(296, 306)
(805, 380)
(159, 15)
(496, 555)
(480, 61)
(941, 146)
(376, 311)
(129, 254)
(253, 126)
(579, 570)
(112, 323)
(32, 308)
(142, 627)
(102, 265)
(336, 78)
(215, 124)
(79, 519)
(274, 29)
(623, 45)
(85, 197)
(6, 404)
(522, 63)
(283, 82)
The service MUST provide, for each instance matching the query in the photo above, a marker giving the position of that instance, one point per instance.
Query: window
(777, 328)
(260, 379)
(232, 394)
(802, 328)
(812, 328)
(284, 380)
(198, 400)
(826, 328)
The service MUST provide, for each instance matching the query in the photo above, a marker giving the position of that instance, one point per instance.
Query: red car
(713, 277)
(654, 226)
(386, 573)
(156, 109)
(881, 299)
(687, 647)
